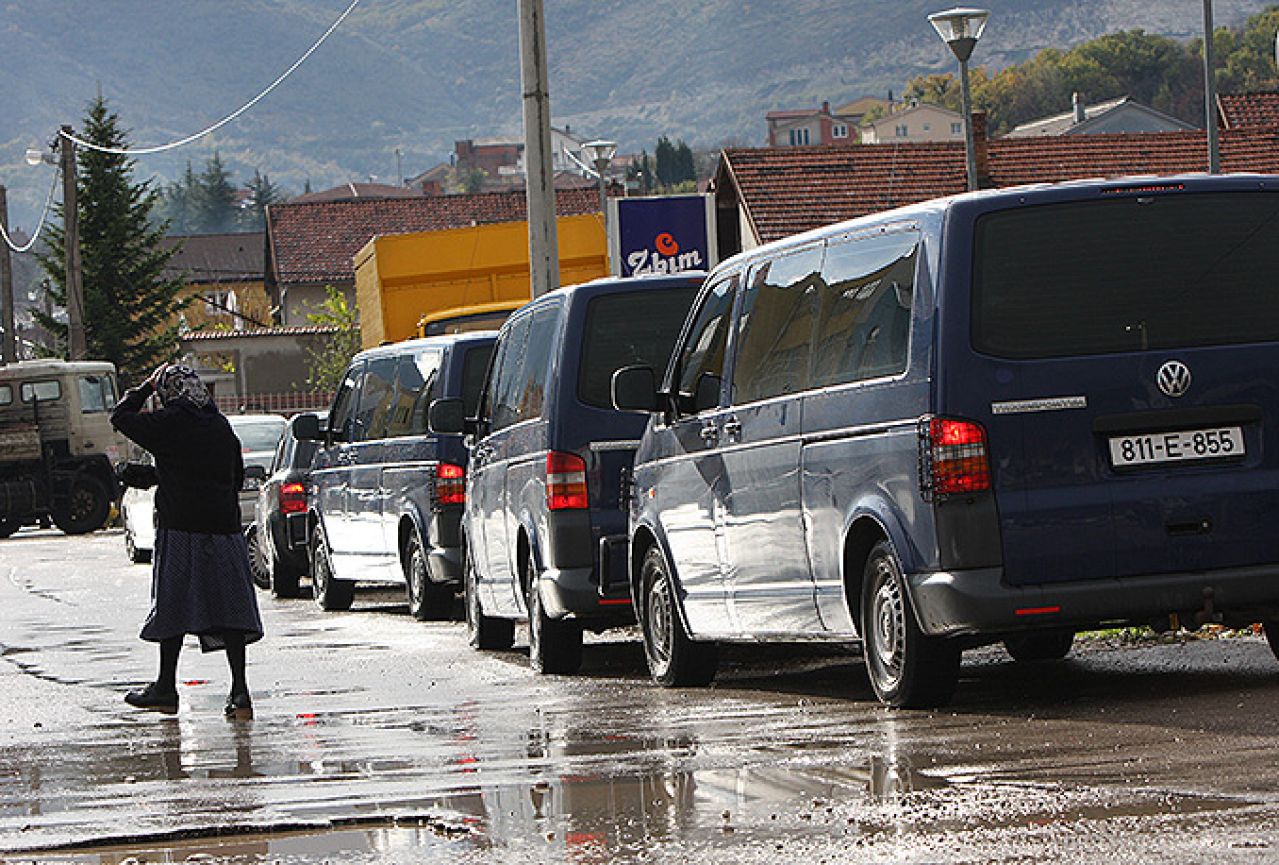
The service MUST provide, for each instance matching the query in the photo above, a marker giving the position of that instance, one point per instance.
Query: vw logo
(1173, 378)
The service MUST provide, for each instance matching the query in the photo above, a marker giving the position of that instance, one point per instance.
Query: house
(1258, 110)
(921, 122)
(809, 126)
(763, 194)
(1121, 115)
(224, 275)
(345, 191)
(310, 245)
(260, 368)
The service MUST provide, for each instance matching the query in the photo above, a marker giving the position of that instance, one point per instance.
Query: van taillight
(565, 481)
(450, 484)
(292, 498)
(957, 460)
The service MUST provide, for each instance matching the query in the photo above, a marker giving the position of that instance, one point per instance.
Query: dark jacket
(198, 461)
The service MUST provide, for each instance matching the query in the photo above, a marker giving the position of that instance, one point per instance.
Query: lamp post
(960, 28)
(601, 153)
(65, 147)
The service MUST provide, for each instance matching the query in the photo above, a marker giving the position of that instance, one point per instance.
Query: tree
(665, 157)
(215, 198)
(130, 306)
(674, 163)
(176, 206)
(262, 194)
(328, 362)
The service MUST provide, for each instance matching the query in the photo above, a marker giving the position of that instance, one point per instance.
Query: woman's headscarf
(178, 385)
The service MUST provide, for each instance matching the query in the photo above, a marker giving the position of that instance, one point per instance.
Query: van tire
(485, 633)
(428, 600)
(554, 645)
(674, 658)
(259, 562)
(1039, 645)
(331, 594)
(907, 668)
(85, 508)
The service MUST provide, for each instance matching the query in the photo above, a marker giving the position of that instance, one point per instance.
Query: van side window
(863, 329)
(537, 361)
(344, 405)
(414, 378)
(474, 365)
(375, 399)
(776, 327)
(701, 357)
(508, 379)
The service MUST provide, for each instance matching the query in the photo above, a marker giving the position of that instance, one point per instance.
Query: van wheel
(674, 658)
(907, 668)
(330, 593)
(1040, 646)
(482, 632)
(428, 600)
(554, 645)
(259, 564)
(85, 508)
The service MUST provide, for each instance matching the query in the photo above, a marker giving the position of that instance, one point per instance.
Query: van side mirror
(306, 427)
(446, 417)
(634, 388)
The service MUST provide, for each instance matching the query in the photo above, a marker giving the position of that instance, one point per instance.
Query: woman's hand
(154, 380)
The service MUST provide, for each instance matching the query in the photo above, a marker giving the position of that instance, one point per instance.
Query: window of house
(928, 127)
(776, 327)
(839, 130)
(956, 128)
(799, 137)
(902, 130)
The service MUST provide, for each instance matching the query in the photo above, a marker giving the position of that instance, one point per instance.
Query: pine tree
(215, 198)
(131, 308)
(665, 155)
(262, 194)
(177, 204)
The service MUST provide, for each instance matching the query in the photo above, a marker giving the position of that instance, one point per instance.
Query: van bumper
(970, 602)
(575, 593)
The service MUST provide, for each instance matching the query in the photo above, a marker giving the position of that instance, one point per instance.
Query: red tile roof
(1249, 110)
(793, 189)
(284, 330)
(314, 242)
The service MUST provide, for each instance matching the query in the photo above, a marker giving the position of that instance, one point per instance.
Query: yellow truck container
(401, 278)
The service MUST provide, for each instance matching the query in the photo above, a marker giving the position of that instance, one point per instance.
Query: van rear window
(1127, 274)
(634, 328)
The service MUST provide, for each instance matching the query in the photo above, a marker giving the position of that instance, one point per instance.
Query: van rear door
(1121, 352)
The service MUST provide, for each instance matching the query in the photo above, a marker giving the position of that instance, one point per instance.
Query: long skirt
(200, 584)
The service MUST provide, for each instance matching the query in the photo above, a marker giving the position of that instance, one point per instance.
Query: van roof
(607, 284)
(1036, 193)
(476, 336)
(25, 369)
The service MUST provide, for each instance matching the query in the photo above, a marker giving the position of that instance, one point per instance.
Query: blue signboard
(666, 234)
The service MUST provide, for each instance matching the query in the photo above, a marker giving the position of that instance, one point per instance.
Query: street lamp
(960, 29)
(601, 153)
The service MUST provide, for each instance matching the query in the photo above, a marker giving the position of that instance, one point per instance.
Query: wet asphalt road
(380, 739)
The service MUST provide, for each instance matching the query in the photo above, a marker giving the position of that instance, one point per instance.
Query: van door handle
(733, 429)
(709, 433)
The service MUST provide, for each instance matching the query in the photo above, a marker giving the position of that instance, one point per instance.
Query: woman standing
(200, 581)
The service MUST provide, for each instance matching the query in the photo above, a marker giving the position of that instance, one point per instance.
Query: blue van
(1003, 416)
(386, 493)
(545, 533)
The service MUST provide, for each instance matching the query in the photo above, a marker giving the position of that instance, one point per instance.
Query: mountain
(418, 74)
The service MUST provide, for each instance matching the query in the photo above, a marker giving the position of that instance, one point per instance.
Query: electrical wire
(142, 151)
(48, 202)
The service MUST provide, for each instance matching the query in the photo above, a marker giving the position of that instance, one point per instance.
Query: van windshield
(633, 328)
(1127, 274)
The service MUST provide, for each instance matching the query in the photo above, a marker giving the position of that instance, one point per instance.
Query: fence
(274, 403)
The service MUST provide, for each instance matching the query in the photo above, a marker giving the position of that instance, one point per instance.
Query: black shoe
(239, 706)
(154, 698)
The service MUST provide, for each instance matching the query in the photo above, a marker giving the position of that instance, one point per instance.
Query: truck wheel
(428, 600)
(8, 527)
(86, 507)
(674, 658)
(1040, 645)
(330, 594)
(554, 645)
(482, 632)
(907, 668)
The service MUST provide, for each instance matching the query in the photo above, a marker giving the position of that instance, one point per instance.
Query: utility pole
(1210, 94)
(76, 348)
(9, 345)
(543, 243)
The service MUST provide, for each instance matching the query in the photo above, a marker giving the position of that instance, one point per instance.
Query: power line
(48, 202)
(141, 151)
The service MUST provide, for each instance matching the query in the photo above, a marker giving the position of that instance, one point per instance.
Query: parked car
(387, 494)
(1009, 415)
(279, 537)
(544, 532)
(258, 433)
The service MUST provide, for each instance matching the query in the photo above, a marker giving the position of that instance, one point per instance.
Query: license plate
(1176, 447)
